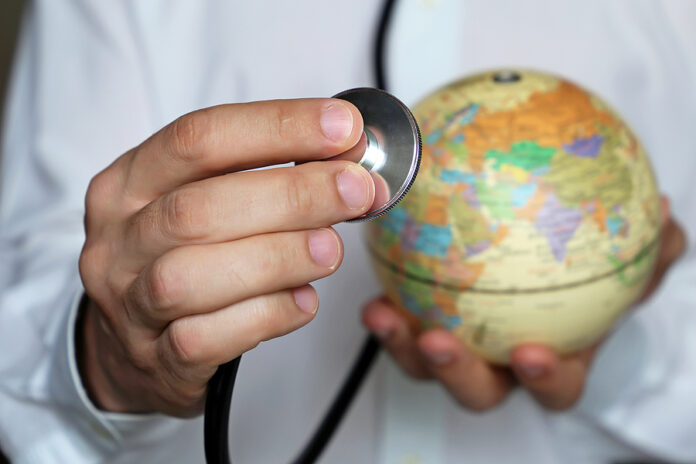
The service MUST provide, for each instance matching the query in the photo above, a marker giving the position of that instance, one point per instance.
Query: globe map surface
(534, 217)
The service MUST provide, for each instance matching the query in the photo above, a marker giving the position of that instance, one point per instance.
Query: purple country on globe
(534, 218)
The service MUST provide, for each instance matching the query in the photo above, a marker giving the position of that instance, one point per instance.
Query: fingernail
(336, 122)
(530, 372)
(306, 299)
(323, 247)
(439, 359)
(353, 187)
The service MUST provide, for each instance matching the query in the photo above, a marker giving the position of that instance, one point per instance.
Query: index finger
(237, 137)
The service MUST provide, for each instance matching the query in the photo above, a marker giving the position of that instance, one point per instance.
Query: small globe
(534, 218)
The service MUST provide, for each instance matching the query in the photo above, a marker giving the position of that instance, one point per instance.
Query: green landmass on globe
(534, 217)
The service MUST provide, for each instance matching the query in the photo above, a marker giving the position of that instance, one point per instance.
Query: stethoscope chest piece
(392, 146)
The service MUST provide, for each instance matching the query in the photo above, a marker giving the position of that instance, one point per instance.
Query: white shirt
(93, 79)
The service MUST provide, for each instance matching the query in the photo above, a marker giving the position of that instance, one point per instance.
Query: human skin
(555, 382)
(190, 259)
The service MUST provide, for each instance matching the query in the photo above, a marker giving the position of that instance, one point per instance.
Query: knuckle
(186, 345)
(138, 351)
(263, 312)
(139, 355)
(140, 225)
(299, 195)
(238, 278)
(267, 319)
(276, 255)
(185, 214)
(99, 189)
(282, 124)
(165, 284)
(132, 298)
(98, 278)
(113, 284)
(188, 136)
(89, 262)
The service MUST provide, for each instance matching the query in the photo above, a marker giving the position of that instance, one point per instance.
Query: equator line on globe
(535, 216)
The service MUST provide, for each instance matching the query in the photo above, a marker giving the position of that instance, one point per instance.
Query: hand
(190, 261)
(555, 382)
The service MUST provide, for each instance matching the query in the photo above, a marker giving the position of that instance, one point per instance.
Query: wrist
(96, 362)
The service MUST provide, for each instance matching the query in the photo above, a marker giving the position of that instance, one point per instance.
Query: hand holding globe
(534, 224)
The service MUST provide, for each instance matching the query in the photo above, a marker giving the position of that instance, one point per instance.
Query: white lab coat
(93, 79)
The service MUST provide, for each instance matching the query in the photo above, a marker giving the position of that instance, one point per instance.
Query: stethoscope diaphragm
(392, 146)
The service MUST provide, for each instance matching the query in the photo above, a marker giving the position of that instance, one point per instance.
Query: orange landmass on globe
(551, 119)
(633, 145)
(456, 270)
(393, 254)
(651, 213)
(599, 215)
(500, 234)
(531, 209)
(444, 159)
(444, 300)
(461, 188)
(424, 261)
(436, 212)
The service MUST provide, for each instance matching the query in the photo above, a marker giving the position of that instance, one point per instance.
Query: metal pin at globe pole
(393, 145)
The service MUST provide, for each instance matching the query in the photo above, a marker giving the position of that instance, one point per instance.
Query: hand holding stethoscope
(390, 149)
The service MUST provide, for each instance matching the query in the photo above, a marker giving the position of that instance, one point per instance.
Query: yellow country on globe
(534, 217)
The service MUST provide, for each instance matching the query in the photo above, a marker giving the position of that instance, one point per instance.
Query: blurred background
(10, 13)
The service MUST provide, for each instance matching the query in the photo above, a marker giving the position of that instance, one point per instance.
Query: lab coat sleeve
(73, 57)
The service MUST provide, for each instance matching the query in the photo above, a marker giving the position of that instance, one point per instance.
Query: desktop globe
(534, 218)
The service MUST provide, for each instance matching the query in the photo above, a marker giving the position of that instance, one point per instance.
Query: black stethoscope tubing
(221, 385)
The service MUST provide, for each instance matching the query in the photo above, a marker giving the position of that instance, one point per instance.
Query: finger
(665, 210)
(203, 278)
(473, 382)
(243, 204)
(556, 383)
(236, 137)
(672, 239)
(381, 318)
(672, 247)
(215, 338)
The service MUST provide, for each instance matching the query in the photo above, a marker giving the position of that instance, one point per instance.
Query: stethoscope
(392, 155)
